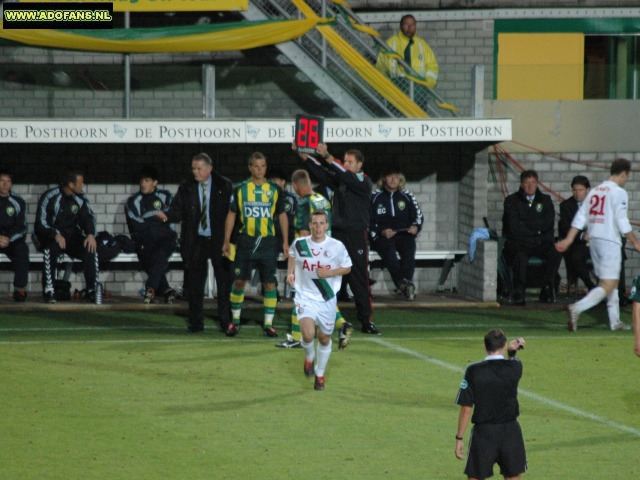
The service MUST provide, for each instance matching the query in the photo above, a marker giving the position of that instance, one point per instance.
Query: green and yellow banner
(164, 5)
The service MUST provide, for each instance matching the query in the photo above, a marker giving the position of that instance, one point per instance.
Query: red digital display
(309, 133)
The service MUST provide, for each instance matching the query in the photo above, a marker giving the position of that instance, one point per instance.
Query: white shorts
(606, 257)
(322, 313)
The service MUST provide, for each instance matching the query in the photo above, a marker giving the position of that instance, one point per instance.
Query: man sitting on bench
(155, 239)
(528, 227)
(396, 219)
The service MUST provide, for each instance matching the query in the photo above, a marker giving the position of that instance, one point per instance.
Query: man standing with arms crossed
(256, 202)
(350, 223)
(604, 212)
(316, 266)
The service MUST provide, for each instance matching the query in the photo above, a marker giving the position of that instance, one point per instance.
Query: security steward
(528, 227)
(350, 221)
(13, 230)
(201, 204)
(66, 224)
(155, 240)
(490, 390)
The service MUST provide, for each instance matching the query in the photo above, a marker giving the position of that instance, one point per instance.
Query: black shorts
(256, 252)
(490, 444)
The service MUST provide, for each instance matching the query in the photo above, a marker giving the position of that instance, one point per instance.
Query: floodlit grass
(131, 395)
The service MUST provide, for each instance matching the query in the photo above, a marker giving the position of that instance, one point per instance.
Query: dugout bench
(427, 259)
(424, 259)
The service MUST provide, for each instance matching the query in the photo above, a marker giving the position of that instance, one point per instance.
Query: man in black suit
(202, 204)
(578, 254)
(528, 226)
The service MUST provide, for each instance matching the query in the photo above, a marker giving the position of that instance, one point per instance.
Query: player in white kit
(316, 266)
(604, 212)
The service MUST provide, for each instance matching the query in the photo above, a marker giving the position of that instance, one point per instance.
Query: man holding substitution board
(350, 206)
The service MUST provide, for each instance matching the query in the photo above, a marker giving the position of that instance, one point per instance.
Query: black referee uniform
(491, 387)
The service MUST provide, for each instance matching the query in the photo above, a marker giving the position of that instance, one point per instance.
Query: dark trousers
(18, 253)
(358, 278)
(75, 249)
(203, 250)
(518, 258)
(622, 284)
(154, 258)
(576, 259)
(388, 248)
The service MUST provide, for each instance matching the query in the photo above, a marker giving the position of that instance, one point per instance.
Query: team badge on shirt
(11, 211)
(401, 205)
(157, 204)
(287, 207)
(74, 209)
(538, 207)
(464, 384)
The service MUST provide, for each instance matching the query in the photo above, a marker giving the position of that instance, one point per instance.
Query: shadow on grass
(135, 322)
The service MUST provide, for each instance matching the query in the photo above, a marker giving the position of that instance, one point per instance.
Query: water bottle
(98, 293)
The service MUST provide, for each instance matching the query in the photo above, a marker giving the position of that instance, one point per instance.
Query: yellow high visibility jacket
(423, 60)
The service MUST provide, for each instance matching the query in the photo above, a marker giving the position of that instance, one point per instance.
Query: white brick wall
(557, 175)
(107, 201)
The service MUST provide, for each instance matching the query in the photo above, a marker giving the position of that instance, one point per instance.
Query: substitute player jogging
(316, 266)
(311, 201)
(604, 212)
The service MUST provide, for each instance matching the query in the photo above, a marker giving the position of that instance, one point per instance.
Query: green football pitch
(130, 395)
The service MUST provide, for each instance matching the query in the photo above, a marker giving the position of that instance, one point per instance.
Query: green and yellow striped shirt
(308, 205)
(256, 206)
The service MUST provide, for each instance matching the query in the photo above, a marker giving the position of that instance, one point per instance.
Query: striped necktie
(203, 216)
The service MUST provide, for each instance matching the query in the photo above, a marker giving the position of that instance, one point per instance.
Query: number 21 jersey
(604, 212)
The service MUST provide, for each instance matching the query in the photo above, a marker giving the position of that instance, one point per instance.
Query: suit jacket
(525, 225)
(568, 210)
(185, 208)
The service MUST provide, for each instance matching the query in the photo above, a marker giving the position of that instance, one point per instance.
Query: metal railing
(316, 47)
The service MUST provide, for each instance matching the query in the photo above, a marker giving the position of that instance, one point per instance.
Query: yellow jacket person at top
(422, 58)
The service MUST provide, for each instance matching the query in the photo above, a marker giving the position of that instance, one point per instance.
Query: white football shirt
(604, 212)
(309, 256)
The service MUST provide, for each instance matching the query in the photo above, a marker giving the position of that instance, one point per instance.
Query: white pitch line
(413, 353)
(524, 393)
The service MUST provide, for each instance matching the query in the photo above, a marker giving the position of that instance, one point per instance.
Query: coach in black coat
(578, 254)
(198, 244)
(528, 227)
